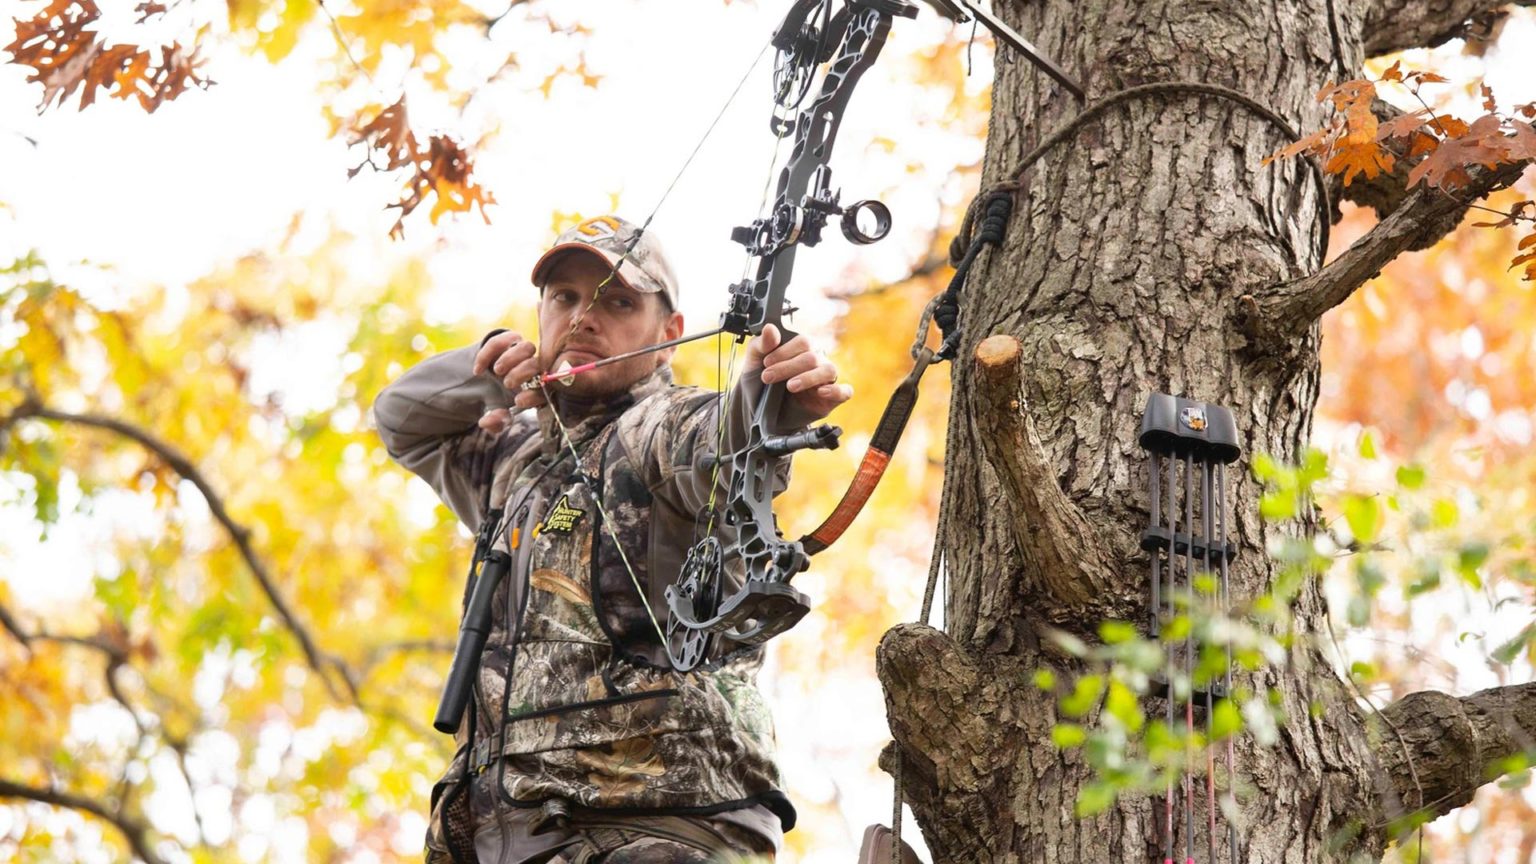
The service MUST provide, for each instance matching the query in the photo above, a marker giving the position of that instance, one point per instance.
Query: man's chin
(594, 385)
(580, 358)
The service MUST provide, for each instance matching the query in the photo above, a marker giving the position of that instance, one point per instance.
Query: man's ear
(671, 329)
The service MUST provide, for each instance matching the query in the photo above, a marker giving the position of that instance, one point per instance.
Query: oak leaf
(1483, 144)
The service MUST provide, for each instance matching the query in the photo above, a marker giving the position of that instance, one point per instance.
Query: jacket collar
(584, 418)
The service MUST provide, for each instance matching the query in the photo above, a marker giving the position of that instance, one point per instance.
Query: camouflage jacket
(591, 713)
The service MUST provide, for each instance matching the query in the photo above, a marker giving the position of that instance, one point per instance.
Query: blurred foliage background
(227, 613)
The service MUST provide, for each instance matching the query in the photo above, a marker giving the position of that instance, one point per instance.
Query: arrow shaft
(569, 372)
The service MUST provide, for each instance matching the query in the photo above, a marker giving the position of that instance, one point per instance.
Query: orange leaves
(388, 135)
(1355, 148)
(67, 55)
(1351, 144)
(1446, 147)
(1482, 143)
(442, 168)
(1354, 143)
(1527, 255)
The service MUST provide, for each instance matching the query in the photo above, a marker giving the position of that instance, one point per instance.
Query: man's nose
(589, 321)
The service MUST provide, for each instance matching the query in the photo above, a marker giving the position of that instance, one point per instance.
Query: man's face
(622, 320)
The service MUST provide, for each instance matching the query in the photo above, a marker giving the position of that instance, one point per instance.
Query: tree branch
(318, 660)
(1395, 25)
(115, 651)
(1455, 744)
(134, 831)
(1053, 534)
(950, 721)
(1286, 311)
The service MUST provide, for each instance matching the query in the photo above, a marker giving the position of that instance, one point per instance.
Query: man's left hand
(810, 378)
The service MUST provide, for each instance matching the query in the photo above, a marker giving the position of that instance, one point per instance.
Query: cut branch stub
(1053, 535)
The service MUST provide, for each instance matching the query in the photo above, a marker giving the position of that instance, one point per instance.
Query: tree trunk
(1149, 251)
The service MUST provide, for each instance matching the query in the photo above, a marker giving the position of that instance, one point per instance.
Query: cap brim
(547, 262)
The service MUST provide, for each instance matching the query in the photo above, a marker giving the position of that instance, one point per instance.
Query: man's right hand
(514, 361)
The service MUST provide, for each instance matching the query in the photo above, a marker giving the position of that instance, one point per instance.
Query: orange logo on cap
(602, 226)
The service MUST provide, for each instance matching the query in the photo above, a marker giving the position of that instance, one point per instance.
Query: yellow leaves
(579, 71)
(380, 26)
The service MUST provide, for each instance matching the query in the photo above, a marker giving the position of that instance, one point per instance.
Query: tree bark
(1140, 252)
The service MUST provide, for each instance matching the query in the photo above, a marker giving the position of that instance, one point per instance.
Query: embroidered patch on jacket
(562, 518)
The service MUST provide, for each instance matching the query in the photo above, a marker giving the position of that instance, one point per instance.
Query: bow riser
(804, 199)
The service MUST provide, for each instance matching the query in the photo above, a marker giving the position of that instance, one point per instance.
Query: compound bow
(765, 604)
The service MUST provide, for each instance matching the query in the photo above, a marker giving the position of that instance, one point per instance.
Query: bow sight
(848, 41)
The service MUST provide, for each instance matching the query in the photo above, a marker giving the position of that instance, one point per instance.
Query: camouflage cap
(645, 269)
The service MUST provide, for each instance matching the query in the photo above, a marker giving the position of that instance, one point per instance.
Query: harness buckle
(485, 752)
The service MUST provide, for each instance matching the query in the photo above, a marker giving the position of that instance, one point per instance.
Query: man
(582, 743)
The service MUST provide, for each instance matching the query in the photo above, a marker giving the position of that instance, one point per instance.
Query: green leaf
(1468, 558)
(1094, 798)
(1265, 468)
(1507, 652)
(1277, 506)
(1122, 705)
(1444, 513)
(1363, 513)
(1427, 573)
(1410, 476)
(1314, 467)
(1358, 612)
(1362, 670)
(1045, 679)
(1367, 446)
(1518, 780)
(1067, 735)
(1085, 693)
(1225, 720)
(1177, 628)
(1115, 632)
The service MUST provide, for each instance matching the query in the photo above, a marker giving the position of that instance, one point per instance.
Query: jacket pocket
(451, 829)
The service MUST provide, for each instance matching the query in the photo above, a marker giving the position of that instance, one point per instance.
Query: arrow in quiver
(1189, 444)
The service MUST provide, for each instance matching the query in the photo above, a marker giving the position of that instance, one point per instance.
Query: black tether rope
(946, 311)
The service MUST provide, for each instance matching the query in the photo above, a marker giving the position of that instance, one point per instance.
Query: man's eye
(618, 302)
